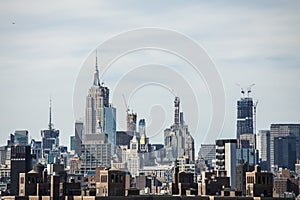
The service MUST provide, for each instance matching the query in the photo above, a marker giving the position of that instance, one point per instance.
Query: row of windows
(116, 178)
(260, 179)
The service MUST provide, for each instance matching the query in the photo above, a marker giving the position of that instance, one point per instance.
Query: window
(259, 179)
(112, 177)
(103, 178)
(22, 181)
(133, 146)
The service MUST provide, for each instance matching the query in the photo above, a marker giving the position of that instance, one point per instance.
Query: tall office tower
(282, 130)
(133, 157)
(50, 137)
(263, 147)
(208, 153)
(285, 152)
(78, 137)
(21, 162)
(100, 127)
(177, 139)
(131, 122)
(110, 126)
(144, 141)
(226, 158)
(244, 116)
(20, 137)
(176, 113)
(96, 100)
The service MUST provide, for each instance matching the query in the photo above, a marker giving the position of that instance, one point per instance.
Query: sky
(46, 46)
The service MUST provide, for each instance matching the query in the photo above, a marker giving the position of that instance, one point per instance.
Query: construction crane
(125, 103)
(249, 89)
(243, 90)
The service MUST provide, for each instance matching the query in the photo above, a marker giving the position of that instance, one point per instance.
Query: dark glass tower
(21, 162)
(244, 116)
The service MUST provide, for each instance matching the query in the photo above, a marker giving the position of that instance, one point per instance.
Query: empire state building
(100, 115)
(96, 100)
(100, 127)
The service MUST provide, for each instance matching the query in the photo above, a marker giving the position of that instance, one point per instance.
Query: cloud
(43, 51)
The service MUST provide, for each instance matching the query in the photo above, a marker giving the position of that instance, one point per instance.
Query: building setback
(226, 158)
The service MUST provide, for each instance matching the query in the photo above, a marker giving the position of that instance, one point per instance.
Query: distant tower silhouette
(50, 136)
(176, 113)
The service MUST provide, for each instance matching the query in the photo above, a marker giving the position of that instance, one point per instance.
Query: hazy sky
(45, 44)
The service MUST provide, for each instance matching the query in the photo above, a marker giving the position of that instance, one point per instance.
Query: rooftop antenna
(242, 89)
(50, 115)
(96, 75)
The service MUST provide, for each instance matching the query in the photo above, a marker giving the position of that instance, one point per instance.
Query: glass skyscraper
(244, 116)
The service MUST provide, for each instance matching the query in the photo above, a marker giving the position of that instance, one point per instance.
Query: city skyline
(37, 63)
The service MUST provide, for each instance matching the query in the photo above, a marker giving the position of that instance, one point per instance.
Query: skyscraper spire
(96, 74)
(50, 117)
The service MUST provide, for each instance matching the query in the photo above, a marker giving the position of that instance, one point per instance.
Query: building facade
(110, 126)
(263, 146)
(244, 116)
(208, 153)
(285, 152)
(283, 130)
(226, 158)
(21, 162)
(96, 151)
(259, 184)
(79, 133)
